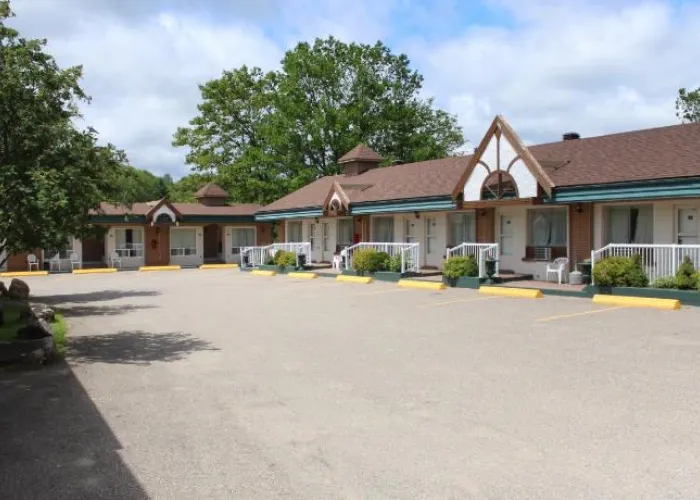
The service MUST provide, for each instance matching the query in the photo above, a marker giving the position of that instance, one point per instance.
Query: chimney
(211, 195)
(359, 160)
(571, 136)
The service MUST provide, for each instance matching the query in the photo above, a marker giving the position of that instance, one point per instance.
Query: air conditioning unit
(543, 253)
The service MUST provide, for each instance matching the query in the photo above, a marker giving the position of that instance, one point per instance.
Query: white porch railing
(480, 251)
(258, 255)
(409, 253)
(658, 260)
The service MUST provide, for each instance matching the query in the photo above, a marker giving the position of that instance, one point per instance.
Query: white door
(505, 231)
(409, 231)
(318, 234)
(687, 226)
(432, 256)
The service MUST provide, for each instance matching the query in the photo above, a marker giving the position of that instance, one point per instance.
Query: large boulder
(32, 331)
(3, 289)
(18, 290)
(42, 311)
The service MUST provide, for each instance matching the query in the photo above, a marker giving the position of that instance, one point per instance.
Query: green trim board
(289, 214)
(233, 219)
(688, 187)
(404, 205)
(118, 219)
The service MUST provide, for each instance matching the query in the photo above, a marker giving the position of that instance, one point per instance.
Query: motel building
(528, 207)
(158, 233)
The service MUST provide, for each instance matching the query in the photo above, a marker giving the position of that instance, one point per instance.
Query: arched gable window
(164, 219)
(499, 185)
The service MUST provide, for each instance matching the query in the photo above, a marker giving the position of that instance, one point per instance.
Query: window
(294, 232)
(183, 241)
(499, 185)
(63, 253)
(242, 237)
(324, 235)
(345, 232)
(462, 228)
(128, 242)
(629, 224)
(383, 229)
(547, 233)
(687, 226)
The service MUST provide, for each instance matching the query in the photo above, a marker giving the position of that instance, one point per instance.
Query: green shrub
(667, 282)
(395, 264)
(686, 277)
(363, 259)
(456, 267)
(285, 259)
(380, 262)
(620, 271)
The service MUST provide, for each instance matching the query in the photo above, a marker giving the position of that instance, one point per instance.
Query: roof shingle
(360, 152)
(211, 190)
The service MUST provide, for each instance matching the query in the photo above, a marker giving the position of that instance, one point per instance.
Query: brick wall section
(18, 262)
(264, 233)
(486, 225)
(581, 232)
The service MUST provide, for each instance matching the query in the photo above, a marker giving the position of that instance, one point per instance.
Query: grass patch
(8, 331)
(60, 329)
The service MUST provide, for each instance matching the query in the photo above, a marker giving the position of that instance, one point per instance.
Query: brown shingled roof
(211, 190)
(360, 152)
(656, 153)
(183, 208)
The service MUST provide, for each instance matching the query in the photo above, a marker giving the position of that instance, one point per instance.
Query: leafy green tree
(138, 185)
(266, 134)
(51, 174)
(688, 105)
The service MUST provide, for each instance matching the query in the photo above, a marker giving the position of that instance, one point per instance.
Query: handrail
(409, 253)
(480, 251)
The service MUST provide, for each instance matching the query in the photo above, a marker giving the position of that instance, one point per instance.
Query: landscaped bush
(620, 271)
(456, 267)
(285, 259)
(380, 262)
(364, 259)
(395, 264)
(686, 277)
(667, 282)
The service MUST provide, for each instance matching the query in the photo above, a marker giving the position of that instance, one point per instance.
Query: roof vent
(571, 136)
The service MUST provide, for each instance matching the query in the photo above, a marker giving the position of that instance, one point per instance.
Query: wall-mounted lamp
(417, 215)
(316, 220)
(482, 212)
(579, 208)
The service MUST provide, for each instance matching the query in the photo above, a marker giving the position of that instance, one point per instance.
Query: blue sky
(549, 66)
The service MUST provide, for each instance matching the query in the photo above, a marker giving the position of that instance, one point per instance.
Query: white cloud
(593, 68)
(550, 66)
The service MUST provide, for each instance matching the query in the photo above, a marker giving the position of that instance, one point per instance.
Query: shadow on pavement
(135, 347)
(85, 310)
(92, 296)
(55, 443)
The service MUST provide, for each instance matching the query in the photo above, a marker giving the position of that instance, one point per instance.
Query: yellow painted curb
(219, 266)
(625, 301)
(355, 279)
(99, 270)
(17, 274)
(308, 276)
(263, 272)
(504, 291)
(423, 285)
(159, 268)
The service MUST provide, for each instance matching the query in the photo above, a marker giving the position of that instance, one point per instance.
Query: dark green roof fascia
(405, 205)
(289, 214)
(213, 219)
(114, 219)
(688, 187)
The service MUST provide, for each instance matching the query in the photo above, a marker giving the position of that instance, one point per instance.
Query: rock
(32, 331)
(18, 290)
(2, 313)
(42, 311)
(3, 289)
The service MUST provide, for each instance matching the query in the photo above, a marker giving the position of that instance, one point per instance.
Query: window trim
(234, 249)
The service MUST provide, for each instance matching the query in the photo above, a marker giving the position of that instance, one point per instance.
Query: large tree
(688, 105)
(51, 173)
(266, 134)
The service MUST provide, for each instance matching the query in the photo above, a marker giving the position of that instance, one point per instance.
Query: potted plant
(456, 268)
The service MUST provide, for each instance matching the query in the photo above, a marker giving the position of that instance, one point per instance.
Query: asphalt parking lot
(219, 384)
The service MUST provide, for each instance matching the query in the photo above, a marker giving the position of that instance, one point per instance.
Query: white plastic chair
(337, 262)
(32, 261)
(55, 261)
(115, 259)
(558, 267)
(75, 261)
